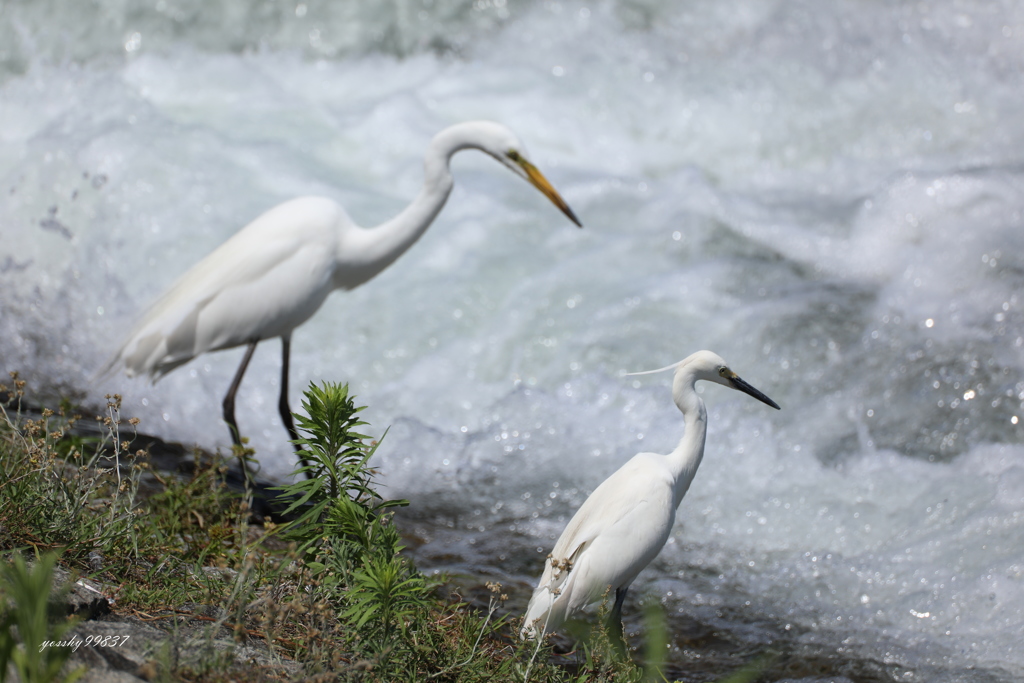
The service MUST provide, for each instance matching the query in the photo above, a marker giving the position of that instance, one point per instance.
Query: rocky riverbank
(118, 646)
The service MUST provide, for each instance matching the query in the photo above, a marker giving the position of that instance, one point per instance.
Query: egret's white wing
(262, 282)
(617, 531)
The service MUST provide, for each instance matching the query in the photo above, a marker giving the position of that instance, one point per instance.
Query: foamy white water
(830, 198)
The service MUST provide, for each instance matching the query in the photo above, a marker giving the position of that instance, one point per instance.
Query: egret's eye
(513, 155)
(723, 371)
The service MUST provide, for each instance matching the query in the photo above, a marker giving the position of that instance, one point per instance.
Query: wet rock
(125, 648)
(97, 676)
(106, 647)
(85, 598)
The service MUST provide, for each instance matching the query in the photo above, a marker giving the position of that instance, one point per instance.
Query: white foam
(830, 198)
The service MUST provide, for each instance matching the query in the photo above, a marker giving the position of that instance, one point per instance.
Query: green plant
(384, 589)
(345, 527)
(195, 517)
(656, 640)
(54, 495)
(336, 457)
(604, 652)
(39, 621)
(384, 597)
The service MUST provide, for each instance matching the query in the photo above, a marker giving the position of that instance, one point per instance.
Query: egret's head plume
(702, 362)
(654, 372)
(709, 366)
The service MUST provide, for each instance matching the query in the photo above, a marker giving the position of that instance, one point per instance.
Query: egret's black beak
(739, 384)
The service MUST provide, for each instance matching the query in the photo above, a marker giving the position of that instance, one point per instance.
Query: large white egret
(274, 273)
(626, 521)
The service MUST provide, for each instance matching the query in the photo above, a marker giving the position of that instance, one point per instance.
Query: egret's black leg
(615, 622)
(282, 405)
(229, 400)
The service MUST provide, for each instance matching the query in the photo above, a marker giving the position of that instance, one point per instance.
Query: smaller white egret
(274, 273)
(626, 521)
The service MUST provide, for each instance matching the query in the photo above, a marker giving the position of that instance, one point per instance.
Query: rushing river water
(829, 196)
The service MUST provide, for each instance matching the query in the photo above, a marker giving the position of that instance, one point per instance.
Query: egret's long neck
(685, 459)
(378, 247)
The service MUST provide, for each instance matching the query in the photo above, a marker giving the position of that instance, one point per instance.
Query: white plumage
(625, 522)
(263, 282)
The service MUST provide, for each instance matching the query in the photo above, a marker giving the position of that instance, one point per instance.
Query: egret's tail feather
(538, 615)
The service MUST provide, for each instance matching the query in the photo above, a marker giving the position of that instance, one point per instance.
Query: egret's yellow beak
(538, 180)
